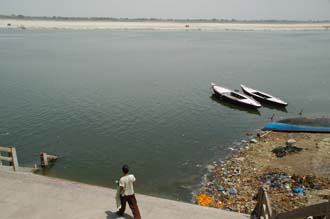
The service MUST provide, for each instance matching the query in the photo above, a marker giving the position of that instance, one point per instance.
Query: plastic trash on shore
(220, 188)
(205, 200)
(298, 190)
(275, 179)
(233, 191)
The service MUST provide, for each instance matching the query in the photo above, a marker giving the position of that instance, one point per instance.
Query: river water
(99, 99)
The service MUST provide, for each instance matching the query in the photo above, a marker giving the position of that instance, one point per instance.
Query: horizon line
(20, 16)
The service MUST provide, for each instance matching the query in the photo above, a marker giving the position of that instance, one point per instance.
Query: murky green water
(99, 99)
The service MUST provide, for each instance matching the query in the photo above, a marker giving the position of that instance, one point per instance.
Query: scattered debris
(253, 140)
(210, 168)
(220, 188)
(282, 151)
(291, 142)
(262, 134)
(205, 200)
(274, 179)
(298, 190)
(232, 191)
(233, 184)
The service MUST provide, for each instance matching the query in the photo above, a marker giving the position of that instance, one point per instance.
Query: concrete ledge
(30, 196)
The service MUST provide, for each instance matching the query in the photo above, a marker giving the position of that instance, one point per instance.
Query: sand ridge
(159, 25)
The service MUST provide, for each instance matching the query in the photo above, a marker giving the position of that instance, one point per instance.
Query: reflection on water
(274, 107)
(234, 106)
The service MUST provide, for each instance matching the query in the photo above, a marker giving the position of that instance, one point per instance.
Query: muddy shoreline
(296, 179)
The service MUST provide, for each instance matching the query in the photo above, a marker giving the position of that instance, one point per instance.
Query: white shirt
(127, 183)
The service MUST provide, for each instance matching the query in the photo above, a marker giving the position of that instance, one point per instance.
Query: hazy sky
(226, 9)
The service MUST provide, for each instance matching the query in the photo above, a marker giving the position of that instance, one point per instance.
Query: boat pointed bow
(258, 105)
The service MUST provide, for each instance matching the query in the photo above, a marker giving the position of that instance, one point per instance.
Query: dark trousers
(132, 204)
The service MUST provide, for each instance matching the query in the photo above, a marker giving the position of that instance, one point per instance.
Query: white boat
(234, 97)
(262, 96)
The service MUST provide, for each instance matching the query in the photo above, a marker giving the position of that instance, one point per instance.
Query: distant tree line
(214, 20)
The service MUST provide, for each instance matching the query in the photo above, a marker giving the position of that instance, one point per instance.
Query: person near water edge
(127, 194)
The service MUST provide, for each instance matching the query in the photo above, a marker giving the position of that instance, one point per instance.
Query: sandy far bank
(119, 25)
(30, 196)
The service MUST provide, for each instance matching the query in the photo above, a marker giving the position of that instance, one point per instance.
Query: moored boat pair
(247, 100)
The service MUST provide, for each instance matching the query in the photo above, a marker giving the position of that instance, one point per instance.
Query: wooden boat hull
(282, 127)
(263, 97)
(229, 96)
(227, 99)
(265, 100)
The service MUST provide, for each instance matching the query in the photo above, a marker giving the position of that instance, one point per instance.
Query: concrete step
(30, 196)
